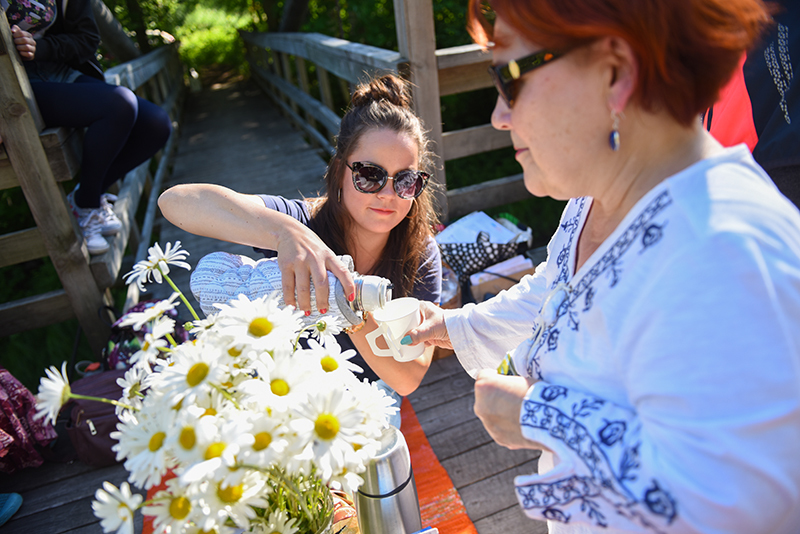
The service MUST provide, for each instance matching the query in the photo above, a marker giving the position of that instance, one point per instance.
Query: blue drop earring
(613, 137)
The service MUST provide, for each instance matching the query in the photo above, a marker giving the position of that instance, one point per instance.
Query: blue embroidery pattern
(596, 456)
(609, 264)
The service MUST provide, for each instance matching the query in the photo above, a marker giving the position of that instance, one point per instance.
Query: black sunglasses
(506, 76)
(371, 178)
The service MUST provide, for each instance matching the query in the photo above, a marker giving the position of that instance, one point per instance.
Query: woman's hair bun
(389, 87)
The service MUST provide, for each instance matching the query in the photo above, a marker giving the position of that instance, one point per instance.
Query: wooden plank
(459, 439)
(486, 195)
(433, 395)
(512, 519)
(351, 61)
(44, 475)
(464, 78)
(500, 486)
(471, 466)
(302, 76)
(289, 79)
(444, 416)
(475, 140)
(46, 200)
(463, 68)
(416, 39)
(14, 69)
(441, 370)
(35, 312)
(21, 246)
(63, 146)
(326, 117)
(137, 72)
(325, 87)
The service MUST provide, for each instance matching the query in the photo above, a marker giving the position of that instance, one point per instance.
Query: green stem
(171, 340)
(225, 393)
(101, 399)
(175, 288)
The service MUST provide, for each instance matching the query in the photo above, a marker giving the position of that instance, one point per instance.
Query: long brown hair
(381, 103)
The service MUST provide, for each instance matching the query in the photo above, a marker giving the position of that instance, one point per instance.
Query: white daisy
(172, 508)
(279, 522)
(142, 444)
(218, 442)
(154, 342)
(157, 263)
(114, 507)
(221, 502)
(193, 372)
(376, 404)
(332, 360)
(138, 319)
(54, 392)
(260, 323)
(133, 385)
(269, 440)
(286, 384)
(330, 423)
(326, 328)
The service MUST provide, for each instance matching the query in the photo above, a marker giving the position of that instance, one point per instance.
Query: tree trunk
(137, 21)
(294, 13)
(114, 37)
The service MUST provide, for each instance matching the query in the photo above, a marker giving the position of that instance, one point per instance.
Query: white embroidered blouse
(668, 365)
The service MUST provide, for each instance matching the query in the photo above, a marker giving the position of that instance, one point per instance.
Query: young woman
(57, 41)
(377, 209)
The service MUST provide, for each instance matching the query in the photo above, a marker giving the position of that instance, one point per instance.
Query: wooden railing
(435, 73)
(37, 159)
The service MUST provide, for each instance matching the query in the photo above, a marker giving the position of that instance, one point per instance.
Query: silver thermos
(220, 277)
(387, 502)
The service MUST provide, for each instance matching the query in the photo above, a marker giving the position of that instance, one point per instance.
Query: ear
(623, 72)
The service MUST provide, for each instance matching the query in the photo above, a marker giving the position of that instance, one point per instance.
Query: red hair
(686, 49)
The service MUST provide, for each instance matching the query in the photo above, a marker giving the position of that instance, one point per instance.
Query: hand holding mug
(395, 319)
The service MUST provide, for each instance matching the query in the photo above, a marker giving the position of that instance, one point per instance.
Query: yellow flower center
(187, 438)
(146, 346)
(197, 374)
(178, 406)
(230, 494)
(356, 447)
(329, 364)
(279, 387)
(180, 507)
(260, 327)
(214, 450)
(263, 439)
(228, 384)
(156, 441)
(234, 352)
(326, 426)
(65, 393)
(209, 411)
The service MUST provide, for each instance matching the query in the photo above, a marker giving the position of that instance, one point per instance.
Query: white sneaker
(111, 223)
(91, 222)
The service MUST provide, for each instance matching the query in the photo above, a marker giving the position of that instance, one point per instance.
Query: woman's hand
(432, 330)
(303, 259)
(25, 43)
(498, 402)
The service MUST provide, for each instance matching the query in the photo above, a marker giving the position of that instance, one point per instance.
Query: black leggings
(122, 130)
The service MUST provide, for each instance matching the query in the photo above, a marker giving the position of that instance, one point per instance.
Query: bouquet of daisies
(248, 425)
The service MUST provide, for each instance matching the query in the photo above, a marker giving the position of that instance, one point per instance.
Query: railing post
(416, 39)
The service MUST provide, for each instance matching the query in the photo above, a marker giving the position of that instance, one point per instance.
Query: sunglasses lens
(502, 87)
(409, 184)
(369, 179)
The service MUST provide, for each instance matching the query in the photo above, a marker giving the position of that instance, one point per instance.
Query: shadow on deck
(233, 136)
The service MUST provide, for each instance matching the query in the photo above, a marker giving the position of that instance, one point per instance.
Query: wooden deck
(233, 135)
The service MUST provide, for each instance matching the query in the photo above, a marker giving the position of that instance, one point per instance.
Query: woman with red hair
(657, 347)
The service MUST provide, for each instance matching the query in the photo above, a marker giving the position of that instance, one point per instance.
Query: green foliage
(209, 36)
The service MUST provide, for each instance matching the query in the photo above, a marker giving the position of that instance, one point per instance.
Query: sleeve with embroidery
(482, 334)
(703, 436)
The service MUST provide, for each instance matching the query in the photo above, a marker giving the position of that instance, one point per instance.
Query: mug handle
(373, 336)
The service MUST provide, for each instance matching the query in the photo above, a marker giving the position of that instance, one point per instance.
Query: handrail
(136, 72)
(347, 60)
(460, 69)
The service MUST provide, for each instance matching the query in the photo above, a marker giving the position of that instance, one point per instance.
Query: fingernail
(307, 313)
(352, 297)
(323, 311)
(406, 340)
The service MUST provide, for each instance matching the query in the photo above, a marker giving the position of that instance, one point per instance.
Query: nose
(388, 189)
(501, 116)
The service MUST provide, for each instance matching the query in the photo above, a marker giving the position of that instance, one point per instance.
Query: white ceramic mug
(395, 319)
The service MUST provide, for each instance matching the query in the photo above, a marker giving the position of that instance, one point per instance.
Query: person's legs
(107, 112)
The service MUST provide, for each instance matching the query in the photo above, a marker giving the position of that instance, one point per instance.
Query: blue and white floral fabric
(668, 366)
